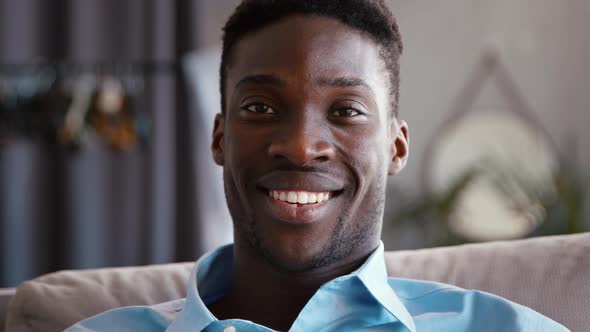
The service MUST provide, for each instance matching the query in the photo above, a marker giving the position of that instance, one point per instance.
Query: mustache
(313, 177)
(303, 169)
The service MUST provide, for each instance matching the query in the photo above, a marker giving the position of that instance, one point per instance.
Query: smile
(299, 197)
(297, 206)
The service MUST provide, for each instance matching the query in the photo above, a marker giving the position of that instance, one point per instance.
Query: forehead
(306, 49)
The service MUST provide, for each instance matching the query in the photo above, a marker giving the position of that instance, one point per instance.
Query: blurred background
(106, 110)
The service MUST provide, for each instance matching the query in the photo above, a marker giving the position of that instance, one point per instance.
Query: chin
(287, 252)
(300, 251)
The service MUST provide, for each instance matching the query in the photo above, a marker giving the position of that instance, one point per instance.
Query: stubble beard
(345, 239)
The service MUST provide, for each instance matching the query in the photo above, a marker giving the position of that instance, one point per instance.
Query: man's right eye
(259, 108)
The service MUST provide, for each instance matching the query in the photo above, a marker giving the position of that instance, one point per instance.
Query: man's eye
(259, 108)
(346, 112)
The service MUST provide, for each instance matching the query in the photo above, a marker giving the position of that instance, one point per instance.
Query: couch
(549, 274)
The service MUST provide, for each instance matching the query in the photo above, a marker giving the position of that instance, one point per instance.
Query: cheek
(243, 140)
(239, 145)
(370, 168)
(245, 155)
(367, 153)
(237, 149)
(235, 178)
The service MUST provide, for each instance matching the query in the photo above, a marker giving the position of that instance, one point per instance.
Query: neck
(273, 297)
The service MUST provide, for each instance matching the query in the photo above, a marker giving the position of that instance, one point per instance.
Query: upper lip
(296, 180)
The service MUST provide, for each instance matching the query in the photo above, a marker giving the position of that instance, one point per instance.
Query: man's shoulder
(133, 318)
(481, 311)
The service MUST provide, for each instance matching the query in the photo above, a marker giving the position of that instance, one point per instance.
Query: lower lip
(294, 213)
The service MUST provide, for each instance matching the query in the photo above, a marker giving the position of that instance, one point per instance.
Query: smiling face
(307, 141)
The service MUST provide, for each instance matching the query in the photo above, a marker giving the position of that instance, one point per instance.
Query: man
(307, 136)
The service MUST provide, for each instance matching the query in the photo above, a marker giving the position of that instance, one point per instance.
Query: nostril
(322, 158)
(300, 155)
(301, 151)
(278, 157)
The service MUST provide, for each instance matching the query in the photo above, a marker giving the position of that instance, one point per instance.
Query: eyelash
(270, 110)
(350, 109)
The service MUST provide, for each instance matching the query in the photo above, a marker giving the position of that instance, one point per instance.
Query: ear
(399, 146)
(217, 144)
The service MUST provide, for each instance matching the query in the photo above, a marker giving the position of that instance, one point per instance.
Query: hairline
(228, 54)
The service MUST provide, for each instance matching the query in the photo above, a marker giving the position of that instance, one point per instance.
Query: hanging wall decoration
(493, 173)
(65, 103)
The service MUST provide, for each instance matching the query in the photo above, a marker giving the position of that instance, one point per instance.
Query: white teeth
(312, 198)
(302, 198)
(292, 197)
(299, 197)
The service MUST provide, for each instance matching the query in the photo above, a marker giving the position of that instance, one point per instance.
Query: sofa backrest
(57, 300)
(550, 275)
(6, 295)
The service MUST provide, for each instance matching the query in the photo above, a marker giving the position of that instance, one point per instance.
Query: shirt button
(229, 329)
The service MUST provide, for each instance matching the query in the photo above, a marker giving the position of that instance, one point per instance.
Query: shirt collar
(212, 275)
(373, 274)
(195, 316)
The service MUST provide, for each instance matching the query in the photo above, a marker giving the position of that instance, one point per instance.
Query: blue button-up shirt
(365, 300)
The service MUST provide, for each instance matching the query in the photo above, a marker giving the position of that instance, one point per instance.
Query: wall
(542, 43)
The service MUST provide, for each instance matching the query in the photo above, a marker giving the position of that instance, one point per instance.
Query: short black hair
(372, 17)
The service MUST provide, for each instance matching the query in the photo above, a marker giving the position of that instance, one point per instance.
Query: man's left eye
(346, 112)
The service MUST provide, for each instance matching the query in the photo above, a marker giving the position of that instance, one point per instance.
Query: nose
(302, 143)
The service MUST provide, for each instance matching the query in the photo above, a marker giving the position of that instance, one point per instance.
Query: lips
(305, 181)
(299, 197)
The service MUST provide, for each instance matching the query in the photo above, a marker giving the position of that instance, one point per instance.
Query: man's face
(307, 119)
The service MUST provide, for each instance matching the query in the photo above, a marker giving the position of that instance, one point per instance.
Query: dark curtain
(98, 207)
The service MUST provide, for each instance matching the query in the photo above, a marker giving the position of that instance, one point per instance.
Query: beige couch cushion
(5, 295)
(549, 275)
(57, 300)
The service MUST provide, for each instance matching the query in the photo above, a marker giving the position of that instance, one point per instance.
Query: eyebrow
(344, 82)
(271, 79)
